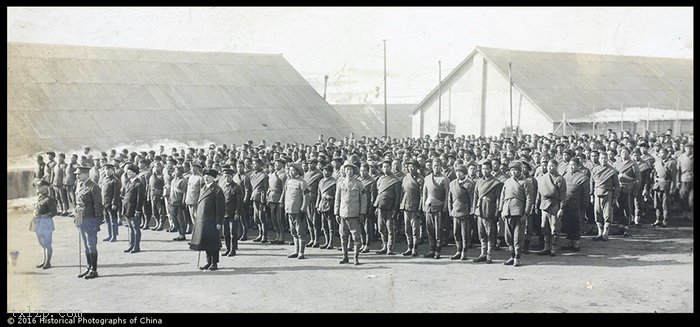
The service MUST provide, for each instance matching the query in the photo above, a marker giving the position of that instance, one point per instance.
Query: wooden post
(439, 95)
(386, 121)
(678, 116)
(594, 120)
(510, 89)
(622, 117)
(648, 105)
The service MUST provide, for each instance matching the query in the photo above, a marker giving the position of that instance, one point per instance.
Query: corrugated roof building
(368, 119)
(63, 97)
(548, 86)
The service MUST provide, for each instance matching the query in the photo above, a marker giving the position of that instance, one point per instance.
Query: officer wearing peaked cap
(88, 218)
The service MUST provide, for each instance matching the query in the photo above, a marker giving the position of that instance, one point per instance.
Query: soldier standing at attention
(313, 217)
(551, 189)
(577, 191)
(42, 222)
(275, 187)
(39, 170)
(168, 173)
(209, 219)
(411, 204)
(645, 183)
(156, 183)
(70, 180)
(242, 179)
(434, 199)
(111, 199)
(233, 196)
(664, 177)
(685, 177)
(258, 182)
(145, 176)
(350, 202)
(88, 218)
(324, 205)
(134, 196)
(487, 193)
(294, 196)
(369, 183)
(605, 189)
(194, 185)
(178, 189)
(517, 201)
(59, 178)
(397, 171)
(459, 205)
(629, 178)
(48, 172)
(387, 201)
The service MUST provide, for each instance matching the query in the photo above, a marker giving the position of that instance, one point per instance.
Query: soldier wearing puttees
(295, 195)
(629, 177)
(111, 199)
(325, 200)
(88, 218)
(370, 184)
(387, 201)
(516, 203)
(195, 181)
(645, 183)
(551, 192)
(275, 187)
(459, 206)
(59, 178)
(577, 191)
(605, 188)
(350, 204)
(42, 222)
(313, 217)
(156, 184)
(233, 197)
(487, 193)
(133, 197)
(209, 219)
(144, 176)
(685, 178)
(258, 181)
(663, 175)
(434, 199)
(242, 179)
(411, 204)
(176, 202)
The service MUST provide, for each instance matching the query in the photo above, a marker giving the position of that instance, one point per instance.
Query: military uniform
(487, 193)
(233, 197)
(275, 187)
(350, 204)
(243, 180)
(551, 193)
(412, 205)
(194, 186)
(60, 190)
(178, 189)
(295, 196)
(313, 217)
(644, 189)
(516, 202)
(325, 202)
(88, 217)
(111, 199)
(259, 184)
(577, 195)
(605, 188)
(147, 209)
(459, 206)
(133, 197)
(367, 232)
(156, 184)
(663, 174)
(685, 170)
(629, 178)
(434, 199)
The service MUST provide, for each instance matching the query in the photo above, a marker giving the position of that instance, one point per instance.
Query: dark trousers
(259, 218)
(661, 204)
(487, 234)
(158, 210)
(515, 234)
(572, 222)
(433, 223)
(686, 195)
(385, 222)
(313, 221)
(412, 221)
(461, 232)
(61, 197)
(368, 228)
(398, 223)
(70, 191)
(212, 256)
(626, 207)
(178, 216)
(328, 223)
(112, 221)
(231, 233)
(134, 231)
(277, 218)
(147, 212)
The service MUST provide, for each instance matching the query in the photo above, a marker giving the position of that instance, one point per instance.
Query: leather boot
(390, 246)
(228, 250)
(356, 256)
(301, 250)
(47, 264)
(325, 238)
(457, 254)
(88, 258)
(205, 267)
(297, 244)
(214, 262)
(526, 246)
(344, 246)
(606, 231)
(93, 268)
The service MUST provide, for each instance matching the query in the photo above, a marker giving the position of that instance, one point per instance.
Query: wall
(19, 184)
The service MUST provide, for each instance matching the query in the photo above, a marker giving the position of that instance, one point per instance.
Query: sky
(346, 43)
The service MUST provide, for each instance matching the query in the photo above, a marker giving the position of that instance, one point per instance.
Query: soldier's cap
(51, 153)
(473, 163)
(82, 169)
(196, 163)
(41, 182)
(338, 159)
(227, 169)
(461, 168)
(387, 160)
(280, 159)
(211, 172)
(413, 162)
(298, 167)
(171, 159)
(328, 167)
(108, 165)
(516, 164)
(350, 164)
(133, 168)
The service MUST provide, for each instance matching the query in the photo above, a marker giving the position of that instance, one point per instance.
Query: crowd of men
(498, 191)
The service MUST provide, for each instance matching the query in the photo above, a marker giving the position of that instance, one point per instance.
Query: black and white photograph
(348, 160)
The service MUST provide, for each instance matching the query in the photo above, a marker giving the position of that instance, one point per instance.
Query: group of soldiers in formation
(501, 191)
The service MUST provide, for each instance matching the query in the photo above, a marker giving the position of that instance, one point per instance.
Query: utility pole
(439, 95)
(622, 117)
(325, 86)
(510, 89)
(678, 116)
(386, 120)
(648, 105)
(594, 120)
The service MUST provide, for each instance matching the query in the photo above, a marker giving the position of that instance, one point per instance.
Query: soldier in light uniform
(516, 204)
(295, 194)
(276, 181)
(685, 177)
(156, 184)
(459, 206)
(59, 178)
(412, 206)
(350, 201)
(605, 188)
(42, 222)
(88, 218)
(487, 193)
(168, 173)
(111, 200)
(387, 201)
(629, 178)
(434, 199)
(242, 179)
(195, 181)
(551, 191)
(178, 189)
(664, 176)
(324, 205)
(258, 182)
(313, 218)
(370, 184)
(577, 195)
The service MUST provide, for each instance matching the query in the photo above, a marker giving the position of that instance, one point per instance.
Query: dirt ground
(650, 271)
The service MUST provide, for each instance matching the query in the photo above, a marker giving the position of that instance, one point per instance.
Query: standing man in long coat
(517, 201)
(387, 201)
(209, 217)
(487, 193)
(88, 218)
(577, 196)
(258, 182)
(411, 204)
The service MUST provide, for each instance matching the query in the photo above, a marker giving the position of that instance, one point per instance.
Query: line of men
(505, 189)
